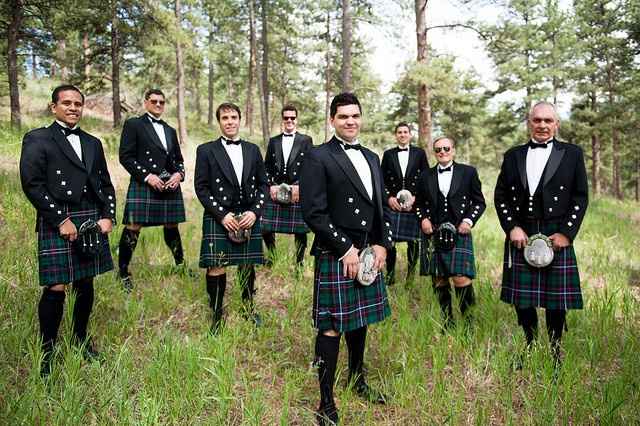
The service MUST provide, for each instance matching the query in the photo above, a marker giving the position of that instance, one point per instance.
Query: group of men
(339, 190)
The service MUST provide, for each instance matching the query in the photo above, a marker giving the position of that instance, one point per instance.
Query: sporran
(539, 251)
(241, 235)
(88, 241)
(366, 272)
(404, 198)
(445, 236)
(283, 194)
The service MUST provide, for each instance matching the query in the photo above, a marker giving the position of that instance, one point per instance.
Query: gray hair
(544, 103)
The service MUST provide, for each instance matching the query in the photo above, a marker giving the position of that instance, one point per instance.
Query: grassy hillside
(162, 367)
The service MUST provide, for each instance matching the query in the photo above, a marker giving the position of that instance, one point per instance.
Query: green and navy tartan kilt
(58, 260)
(556, 286)
(405, 226)
(448, 263)
(283, 219)
(342, 304)
(218, 250)
(147, 207)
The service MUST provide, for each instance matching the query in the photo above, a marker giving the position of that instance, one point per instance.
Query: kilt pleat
(556, 286)
(447, 263)
(217, 250)
(58, 259)
(284, 219)
(405, 226)
(147, 207)
(342, 304)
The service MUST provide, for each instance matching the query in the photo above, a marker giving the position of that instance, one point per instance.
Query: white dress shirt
(74, 140)
(361, 165)
(159, 128)
(536, 162)
(287, 144)
(444, 179)
(235, 154)
(403, 159)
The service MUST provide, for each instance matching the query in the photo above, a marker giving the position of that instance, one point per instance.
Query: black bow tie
(288, 135)
(355, 146)
(534, 145)
(403, 149)
(153, 120)
(231, 142)
(67, 131)
(445, 169)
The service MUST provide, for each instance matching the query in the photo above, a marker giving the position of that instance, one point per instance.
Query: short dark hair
(345, 98)
(289, 107)
(227, 105)
(402, 124)
(150, 92)
(55, 95)
(439, 138)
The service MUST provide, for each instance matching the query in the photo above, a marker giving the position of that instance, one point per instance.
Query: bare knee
(461, 281)
(440, 281)
(330, 333)
(57, 287)
(214, 272)
(133, 227)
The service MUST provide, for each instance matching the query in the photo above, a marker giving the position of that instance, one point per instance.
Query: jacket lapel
(88, 151)
(554, 161)
(433, 185)
(151, 132)
(295, 149)
(223, 160)
(247, 163)
(375, 175)
(396, 163)
(279, 154)
(521, 160)
(168, 136)
(347, 167)
(65, 146)
(456, 179)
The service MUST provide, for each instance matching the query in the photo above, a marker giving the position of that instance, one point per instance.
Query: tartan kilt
(405, 226)
(58, 260)
(147, 207)
(556, 286)
(342, 304)
(283, 219)
(447, 263)
(217, 250)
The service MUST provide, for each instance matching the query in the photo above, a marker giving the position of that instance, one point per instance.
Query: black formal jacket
(279, 172)
(52, 174)
(565, 191)
(142, 153)
(392, 173)
(218, 188)
(465, 199)
(335, 203)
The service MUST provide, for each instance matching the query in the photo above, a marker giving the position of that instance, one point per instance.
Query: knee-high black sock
(269, 239)
(83, 290)
(391, 265)
(443, 293)
(216, 286)
(528, 319)
(466, 298)
(556, 319)
(327, 350)
(413, 254)
(301, 246)
(356, 341)
(50, 311)
(174, 242)
(247, 279)
(128, 242)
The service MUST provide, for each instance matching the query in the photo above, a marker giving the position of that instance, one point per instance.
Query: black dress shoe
(127, 283)
(89, 353)
(253, 317)
(367, 393)
(327, 415)
(45, 366)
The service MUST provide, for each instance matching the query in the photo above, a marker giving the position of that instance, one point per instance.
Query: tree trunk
(253, 49)
(210, 80)
(182, 120)
(86, 50)
(115, 67)
(195, 77)
(16, 8)
(327, 80)
(62, 57)
(264, 76)
(347, 32)
(34, 65)
(424, 107)
(615, 146)
(595, 149)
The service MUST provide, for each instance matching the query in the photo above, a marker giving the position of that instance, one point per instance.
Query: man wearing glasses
(150, 152)
(450, 203)
(283, 161)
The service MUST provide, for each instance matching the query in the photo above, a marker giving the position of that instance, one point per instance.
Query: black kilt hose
(58, 260)
(147, 207)
(556, 286)
(283, 218)
(458, 261)
(405, 226)
(217, 250)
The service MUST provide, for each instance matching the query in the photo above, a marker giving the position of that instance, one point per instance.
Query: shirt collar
(355, 142)
(224, 138)
(289, 134)
(152, 116)
(547, 142)
(64, 125)
(450, 163)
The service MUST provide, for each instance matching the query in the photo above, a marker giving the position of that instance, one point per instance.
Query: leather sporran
(241, 235)
(539, 251)
(404, 198)
(445, 236)
(284, 194)
(88, 242)
(367, 274)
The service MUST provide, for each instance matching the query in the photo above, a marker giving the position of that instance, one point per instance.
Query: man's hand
(230, 223)
(518, 237)
(68, 230)
(106, 225)
(173, 182)
(426, 226)
(394, 204)
(155, 182)
(409, 205)
(273, 191)
(464, 228)
(381, 257)
(248, 219)
(295, 193)
(559, 241)
(351, 263)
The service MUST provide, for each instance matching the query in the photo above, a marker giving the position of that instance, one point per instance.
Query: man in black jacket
(150, 152)
(283, 161)
(64, 175)
(230, 181)
(342, 193)
(542, 189)
(450, 193)
(402, 167)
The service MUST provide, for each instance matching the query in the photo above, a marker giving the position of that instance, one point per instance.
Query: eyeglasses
(289, 118)
(157, 101)
(442, 148)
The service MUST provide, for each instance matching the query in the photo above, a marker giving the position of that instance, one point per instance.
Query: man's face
(68, 108)
(347, 122)
(444, 150)
(229, 123)
(403, 136)
(155, 105)
(289, 121)
(543, 124)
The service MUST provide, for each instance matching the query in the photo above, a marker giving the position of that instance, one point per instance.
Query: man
(64, 175)
(150, 152)
(283, 162)
(229, 181)
(342, 192)
(401, 168)
(542, 189)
